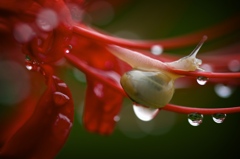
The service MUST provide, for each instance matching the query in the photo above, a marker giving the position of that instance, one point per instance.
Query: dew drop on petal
(218, 117)
(143, 113)
(68, 49)
(60, 99)
(223, 91)
(156, 50)
(195, 119)
(201, 80)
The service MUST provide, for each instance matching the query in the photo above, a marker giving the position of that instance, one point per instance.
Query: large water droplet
(143, 113)
(219, 117)
(202, 80)
(223, 91)
(60, 98)
(195, 119)
(156, 50)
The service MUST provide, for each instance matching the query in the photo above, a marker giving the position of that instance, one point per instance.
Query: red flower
(49, 31)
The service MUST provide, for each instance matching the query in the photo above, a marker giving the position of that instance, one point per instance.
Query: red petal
(102, 104)
(43, 135)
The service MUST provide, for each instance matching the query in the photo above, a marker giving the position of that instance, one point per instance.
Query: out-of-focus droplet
(47, 20)
(143, 113)
(201, 80)
(116, 118)
(234, 65)
(23, 33)
(207, 67)
(60, 98)
(219, 117)
(156, 50)
(195, 119)
(223, 91)
(76, 12)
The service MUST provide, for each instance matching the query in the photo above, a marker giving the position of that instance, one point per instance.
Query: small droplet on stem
(201, 80)
(195, 119)
(68, 49)
(218, 117)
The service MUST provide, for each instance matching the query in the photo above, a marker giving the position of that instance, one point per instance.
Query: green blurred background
(169, 135)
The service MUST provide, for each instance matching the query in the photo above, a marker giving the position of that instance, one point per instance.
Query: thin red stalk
(213, 32)
(206, 111)
(92, 72)
(207, 74)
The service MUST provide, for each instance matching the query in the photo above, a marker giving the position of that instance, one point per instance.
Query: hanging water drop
(195, 119)
(218, 117)
(144, 113)
(202, 80)
(60, 99)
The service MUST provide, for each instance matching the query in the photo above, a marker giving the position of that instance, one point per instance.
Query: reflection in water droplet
(223, 91)
(202, 80)
(47, 20)
(195, 119)
(68, 49)
(156, 50)
(219, 117)
(143, 113)
(31, 65)
(60, 98)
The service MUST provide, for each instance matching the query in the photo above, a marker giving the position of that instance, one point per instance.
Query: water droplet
(60, 98)
(31, 65)
(219, 117)
(156, 50)
(195, 119)
(68, 49)
(47, 20)
(202, 80)
(234, 65)
(143, 113)
(223, 91)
